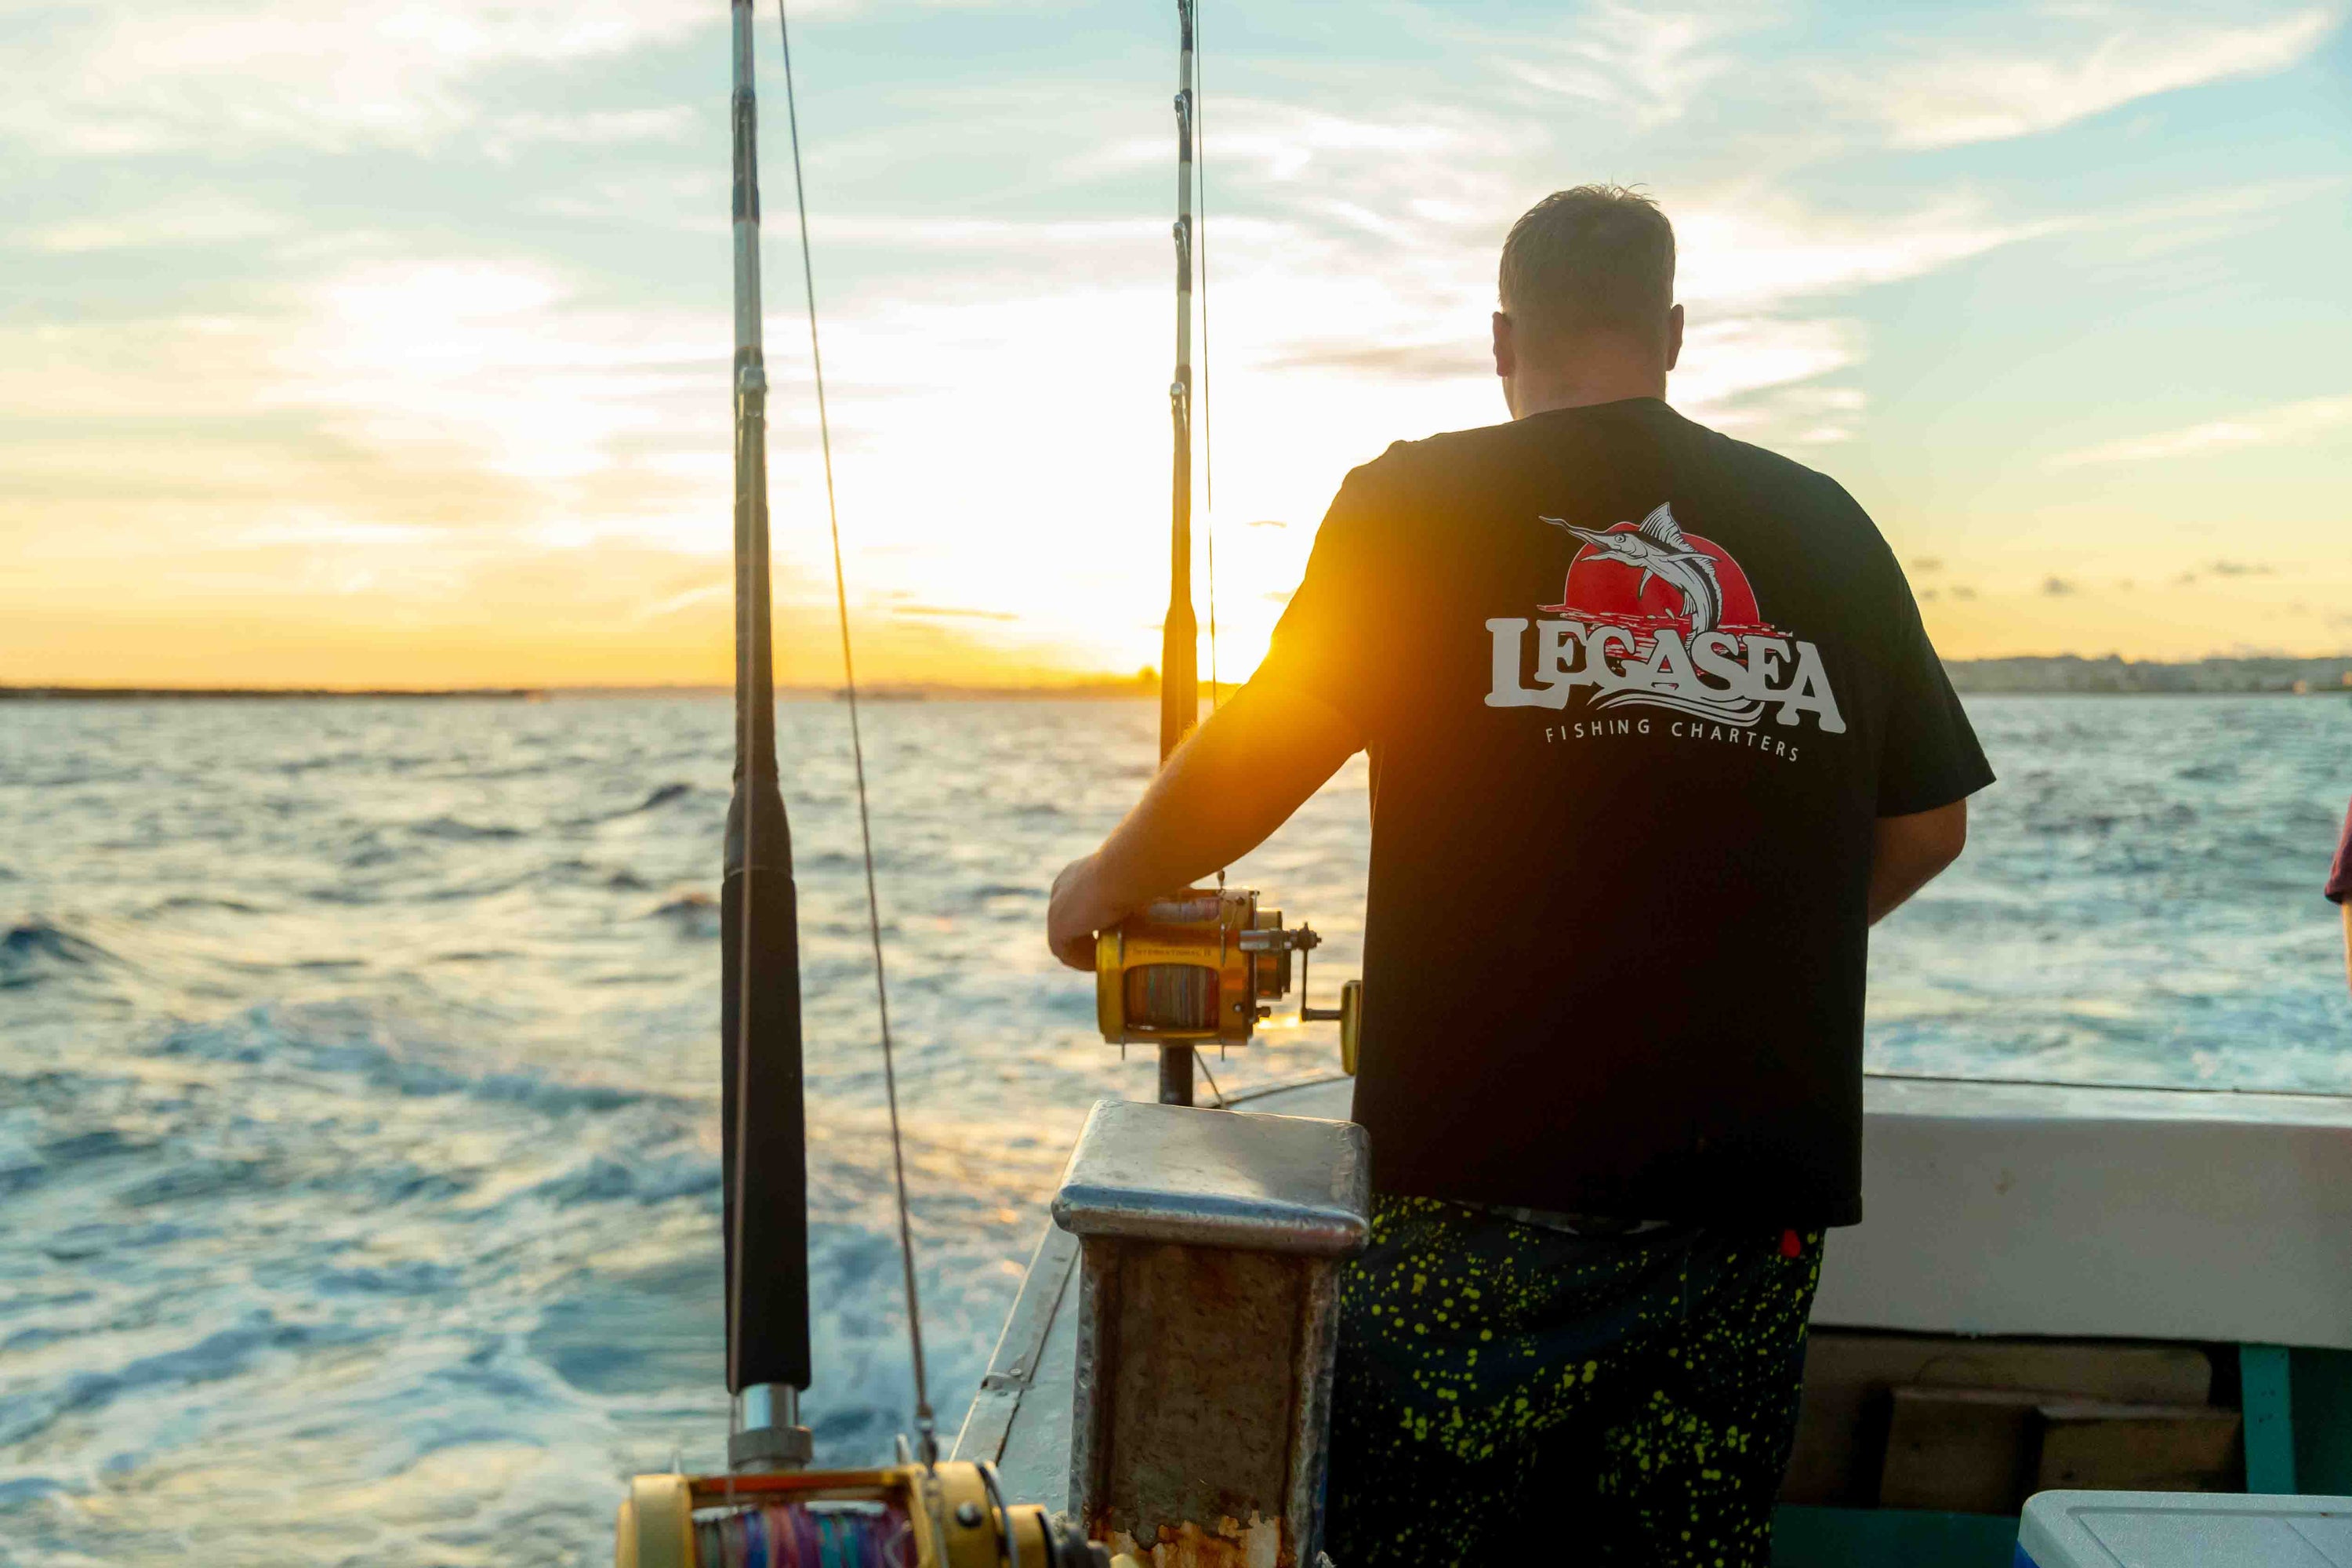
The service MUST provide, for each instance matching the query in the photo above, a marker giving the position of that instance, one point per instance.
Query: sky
(388, 344)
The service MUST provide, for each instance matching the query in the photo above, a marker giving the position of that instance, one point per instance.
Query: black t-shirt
(1634, 694)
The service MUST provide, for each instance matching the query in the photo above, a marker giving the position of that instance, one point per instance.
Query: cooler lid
(2184, 1530)
(1218, 1178)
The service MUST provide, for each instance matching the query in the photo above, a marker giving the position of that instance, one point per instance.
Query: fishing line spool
(1199, 968)
(1196, 968)
(950, 1515)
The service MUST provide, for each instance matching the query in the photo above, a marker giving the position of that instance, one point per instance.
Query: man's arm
(1906, 852)
(1236, 779)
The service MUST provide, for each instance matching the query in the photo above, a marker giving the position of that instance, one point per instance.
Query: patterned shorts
(1513, 1391)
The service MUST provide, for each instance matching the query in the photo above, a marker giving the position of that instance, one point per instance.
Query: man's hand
(1234, 781)
(1077, 913)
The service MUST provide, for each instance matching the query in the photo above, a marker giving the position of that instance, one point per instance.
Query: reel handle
(1348, 1014)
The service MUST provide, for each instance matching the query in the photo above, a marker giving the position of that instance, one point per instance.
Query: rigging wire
(1208, 444)
(926, 1424)
(1202, 1062)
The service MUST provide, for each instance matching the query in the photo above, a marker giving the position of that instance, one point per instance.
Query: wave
(694, 915)
(217, 1356)
(339, 1038)
(664, 794)
(660, 795)
(179, 902)
(457, 828)
(600, 1178)
(35, 949)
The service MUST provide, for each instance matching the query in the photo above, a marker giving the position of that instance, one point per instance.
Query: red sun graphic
(1609, 592)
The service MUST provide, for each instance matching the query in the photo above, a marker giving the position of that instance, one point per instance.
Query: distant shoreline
(1109, 690)
(228, 693)
(2048, 675)
(2072, 675)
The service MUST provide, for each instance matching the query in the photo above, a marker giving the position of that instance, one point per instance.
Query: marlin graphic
(1659, 548)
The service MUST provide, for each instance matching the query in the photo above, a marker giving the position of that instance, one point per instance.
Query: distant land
(205, 693)
(2071, 672)
(1143, 685)
(2038, 673)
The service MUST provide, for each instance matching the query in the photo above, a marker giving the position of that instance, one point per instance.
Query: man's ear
(1506, 358)
(1673, 336)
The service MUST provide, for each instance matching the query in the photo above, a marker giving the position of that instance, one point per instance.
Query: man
(1656, 735)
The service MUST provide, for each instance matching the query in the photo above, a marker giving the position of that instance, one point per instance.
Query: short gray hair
(1594, 258)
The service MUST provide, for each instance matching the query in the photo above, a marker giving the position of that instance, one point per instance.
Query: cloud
(502, 136)
(2276, 425)
(2242, 569)
(1641, 65)
(1926, 564)
(1408, 362)
(2057, 587)
(179, 220)
(1952, 97)
(101, 80)
(1744, 374)
(492, 359)
(685, 599)
(967, 234)
(952, 612)
(1762, 253)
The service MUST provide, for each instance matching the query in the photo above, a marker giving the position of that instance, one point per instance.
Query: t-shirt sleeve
(1930, 756)
(2340, 876)
(1318, 645)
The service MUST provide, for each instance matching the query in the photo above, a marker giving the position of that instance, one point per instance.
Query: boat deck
(2004, 1209)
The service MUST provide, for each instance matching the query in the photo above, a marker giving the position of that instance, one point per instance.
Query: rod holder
(1211, 1245)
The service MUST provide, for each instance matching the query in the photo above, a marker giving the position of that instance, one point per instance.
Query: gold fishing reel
(1199, 968)
(950, 1515)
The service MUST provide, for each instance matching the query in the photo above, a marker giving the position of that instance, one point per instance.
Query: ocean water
(357, 1066)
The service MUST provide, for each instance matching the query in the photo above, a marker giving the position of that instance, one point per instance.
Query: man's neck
(1582, 387)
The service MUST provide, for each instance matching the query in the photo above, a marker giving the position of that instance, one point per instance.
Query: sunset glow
(387, 346)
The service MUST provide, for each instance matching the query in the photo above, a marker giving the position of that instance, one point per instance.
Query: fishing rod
(1196, 968)
(1179, 679)
(1179, 674)
(764, 1147)
(768, 1510)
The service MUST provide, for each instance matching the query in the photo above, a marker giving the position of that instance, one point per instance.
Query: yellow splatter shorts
(1514, 1392)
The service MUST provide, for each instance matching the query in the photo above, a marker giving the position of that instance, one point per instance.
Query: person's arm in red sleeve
(2339, 888)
